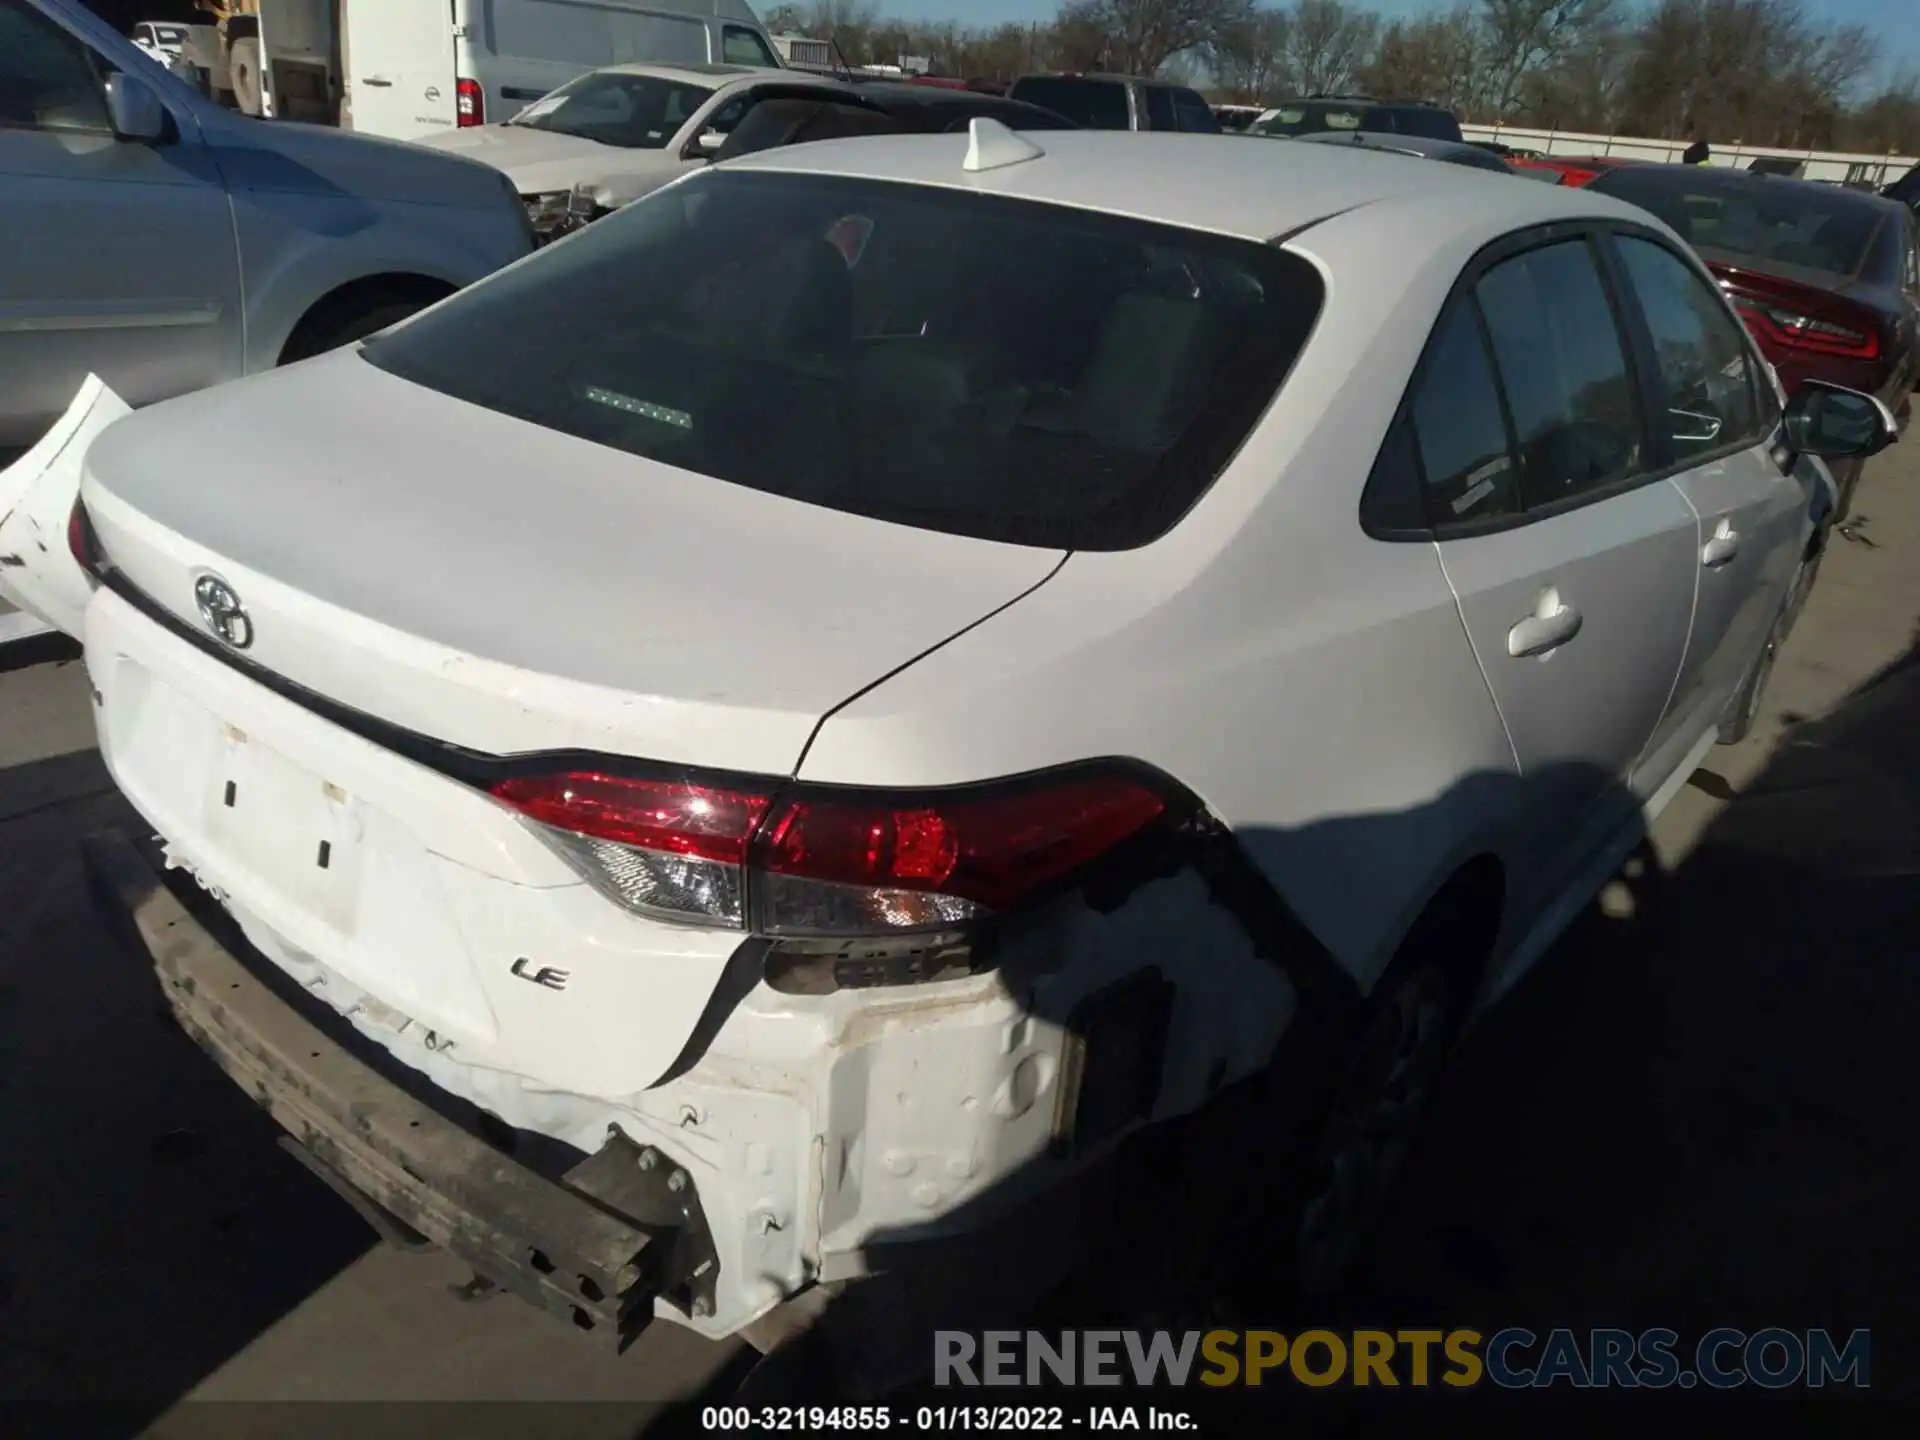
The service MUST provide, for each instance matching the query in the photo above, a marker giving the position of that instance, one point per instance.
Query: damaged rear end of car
(481, 729)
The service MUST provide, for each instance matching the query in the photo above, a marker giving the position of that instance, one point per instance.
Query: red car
(1575, 169)
(1826, 278)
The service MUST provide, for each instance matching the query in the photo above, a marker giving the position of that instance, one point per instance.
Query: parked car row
(612, 135)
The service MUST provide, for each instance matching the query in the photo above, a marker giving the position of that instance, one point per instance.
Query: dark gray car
(1450, 152)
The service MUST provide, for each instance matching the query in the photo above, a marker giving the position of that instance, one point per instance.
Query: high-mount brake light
(825, 862)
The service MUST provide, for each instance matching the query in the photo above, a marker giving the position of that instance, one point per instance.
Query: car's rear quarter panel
(1312, 685)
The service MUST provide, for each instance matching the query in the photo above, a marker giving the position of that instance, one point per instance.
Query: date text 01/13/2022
(938, 1418)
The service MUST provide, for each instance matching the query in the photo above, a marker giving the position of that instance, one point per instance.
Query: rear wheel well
(1458, 927)
(337, 310)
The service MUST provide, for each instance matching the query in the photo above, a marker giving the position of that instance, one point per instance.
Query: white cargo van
(415, 67)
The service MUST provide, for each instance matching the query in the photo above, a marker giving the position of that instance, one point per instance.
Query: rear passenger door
(1714, 417)
(1573, 568)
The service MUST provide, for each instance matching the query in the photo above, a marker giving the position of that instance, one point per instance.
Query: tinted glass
(1193, 114)
(1311, 117)
(47, 80)
(1159, 108)
(836, 121)
(1015, 117)
(1707, 376)
(1476, 160)
(1813, 227)
(635, 112)
(1422, 120)
(793, 119)
(1096, 104)
(745, 47)
(964, 363)
(1561, 364)
(1458, 427)
(583, 33)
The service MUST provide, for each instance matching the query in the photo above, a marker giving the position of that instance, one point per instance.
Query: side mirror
(710, 140)
(1838, 424)
(136, 112)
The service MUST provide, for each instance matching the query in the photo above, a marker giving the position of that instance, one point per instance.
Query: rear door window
(1096, 104)
(1159, 108)
(1193, 114)
(966, 363)
(1707, 374)
(1563, 369)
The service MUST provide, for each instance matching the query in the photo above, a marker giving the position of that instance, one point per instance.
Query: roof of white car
(712, 76)
(1256, 189)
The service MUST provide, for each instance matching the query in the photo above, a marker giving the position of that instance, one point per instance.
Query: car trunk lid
(504, 588)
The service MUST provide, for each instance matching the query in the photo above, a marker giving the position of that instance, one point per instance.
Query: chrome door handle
(1552, 624)
(1724, 545)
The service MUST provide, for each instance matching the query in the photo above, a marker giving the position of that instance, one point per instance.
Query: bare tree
(1249, 58)
(1145, 34)
(1436, 58)
(1327, 43)
(1523, 35)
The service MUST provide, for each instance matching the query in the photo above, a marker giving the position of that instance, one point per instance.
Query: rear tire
(243, 63)
(1357, 1153)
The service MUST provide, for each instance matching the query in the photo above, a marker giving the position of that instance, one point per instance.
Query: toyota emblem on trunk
(222, 611)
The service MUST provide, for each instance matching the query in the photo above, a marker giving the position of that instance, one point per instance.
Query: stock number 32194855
(760, 1419)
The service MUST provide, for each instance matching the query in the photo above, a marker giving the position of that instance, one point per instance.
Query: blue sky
(1897, 22)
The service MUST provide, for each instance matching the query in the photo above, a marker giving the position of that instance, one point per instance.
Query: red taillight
(470, 103)
(988, 852)
(657, 846)
(80, 539)
(828, 862)
(1784, 316)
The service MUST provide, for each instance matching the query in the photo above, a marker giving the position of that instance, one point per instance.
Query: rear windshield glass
(634, 112)
(997, 368)
(1096, 104)
(1312, 119)
(1784, 223)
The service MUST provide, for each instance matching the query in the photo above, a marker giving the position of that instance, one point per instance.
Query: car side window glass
(1159, 108)
(740, 46)
(1563, 369)
(1466, 462)
(1192, 114)
(1706, 369)
(47, 78)
(835, 122)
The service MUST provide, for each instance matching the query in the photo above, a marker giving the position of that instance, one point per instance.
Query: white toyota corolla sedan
(805, 714)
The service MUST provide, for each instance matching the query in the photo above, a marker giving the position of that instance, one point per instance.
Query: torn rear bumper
(595, 1247)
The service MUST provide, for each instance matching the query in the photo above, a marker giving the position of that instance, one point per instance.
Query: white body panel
(1342, 703)
(405, 58)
